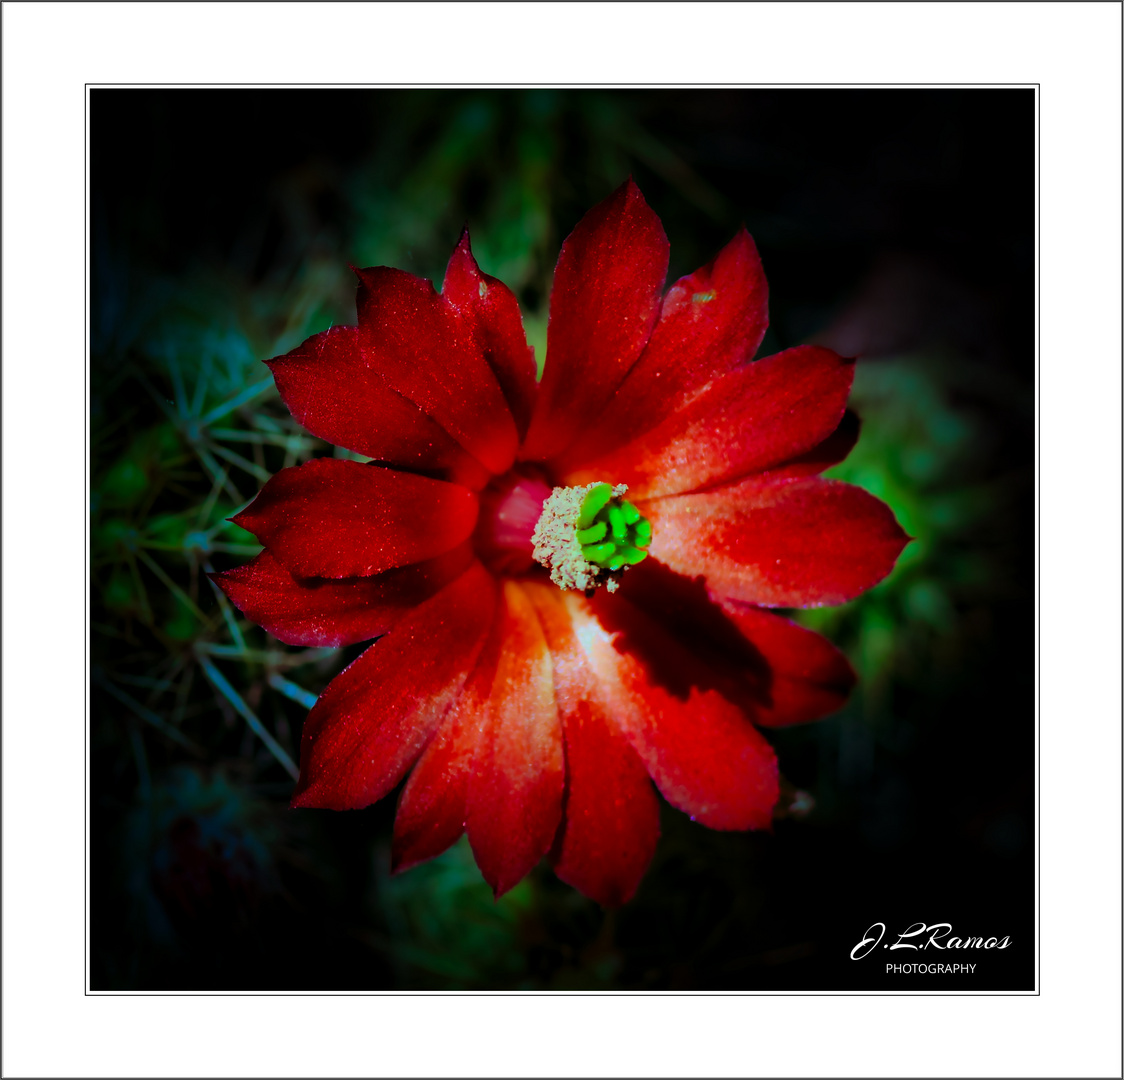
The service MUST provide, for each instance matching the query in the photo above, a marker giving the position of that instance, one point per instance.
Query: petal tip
(501, 889)
(742, 238)
(302, 800)
(310, 795)
(629, 193)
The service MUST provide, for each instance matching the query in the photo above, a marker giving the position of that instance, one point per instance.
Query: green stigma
(612, 532)
(585, 531)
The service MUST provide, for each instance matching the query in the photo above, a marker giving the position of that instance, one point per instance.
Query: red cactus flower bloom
(531, 710)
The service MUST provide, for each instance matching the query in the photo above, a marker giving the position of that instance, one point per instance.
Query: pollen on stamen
(588, 535)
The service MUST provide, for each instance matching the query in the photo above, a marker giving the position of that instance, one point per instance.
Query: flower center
(509, 508)
(588, 533)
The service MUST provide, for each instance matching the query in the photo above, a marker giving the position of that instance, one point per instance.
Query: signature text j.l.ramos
(921, 936)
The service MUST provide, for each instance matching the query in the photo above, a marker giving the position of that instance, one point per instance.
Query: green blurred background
(895, 225)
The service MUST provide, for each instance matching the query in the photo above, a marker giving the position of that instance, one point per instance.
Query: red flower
(530, 715)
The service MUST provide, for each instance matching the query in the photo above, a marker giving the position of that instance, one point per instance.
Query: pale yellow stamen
(557, 546)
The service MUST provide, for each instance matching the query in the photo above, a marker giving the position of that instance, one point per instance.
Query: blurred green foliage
(197, 712)
(445, 930)
(921, 454)
(926, 449)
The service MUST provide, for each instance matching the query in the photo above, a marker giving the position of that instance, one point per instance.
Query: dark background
(896, 225)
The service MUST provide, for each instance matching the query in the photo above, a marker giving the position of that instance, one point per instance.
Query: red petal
(611, 819)
(603, 305)
(373, 720)
(778, 543)
(700, 749)
(330, 518)
(431, 811)
(515, 791)
(414, 339)
(747, 420)
(809, 677)
(331, 390)
(327, 611)
(490, 312)
(710, 323)
(830, 452)
(779, 673)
